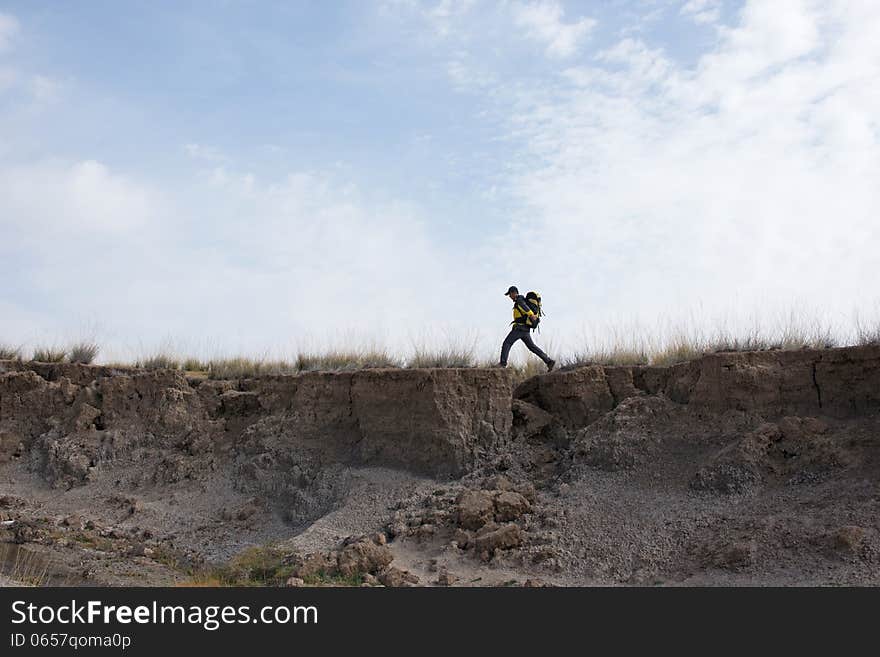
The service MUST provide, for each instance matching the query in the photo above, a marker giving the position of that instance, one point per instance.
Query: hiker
(525, 318)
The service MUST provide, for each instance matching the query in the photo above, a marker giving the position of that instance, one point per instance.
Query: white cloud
(702, 11)
(45, 89)
(468, 75)
(51, 201)
(230, 262)
(8, 29)
(749, 179)
(205, 153)
(543, 22)
(446, 12)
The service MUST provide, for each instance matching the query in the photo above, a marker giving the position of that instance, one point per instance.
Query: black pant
(524, 335)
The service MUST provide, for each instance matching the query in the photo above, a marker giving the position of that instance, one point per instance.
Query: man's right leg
(512, 337)
(535, 349)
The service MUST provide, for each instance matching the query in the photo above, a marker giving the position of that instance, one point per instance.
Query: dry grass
(442, 350)
(447, 357)
(869, 337)
(50, 354)
(607, 356)
(344, 360)
(247, 368)
(667, 346)
(8, 352)
(867, 334)
(159, 361)
(680, 347)
(83, 352)
(619, 344)
(195, 365)
(22, 566)
(255, 566)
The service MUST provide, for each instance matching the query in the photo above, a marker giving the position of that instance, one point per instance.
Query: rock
(425, 532)
(849, 539)
(245, 512)
(497, 482)
(527, 490)
(461, 538)
(529, 421)
(295, 581)
(10, 502)
(445, 578)
(544, 455)
(474, 509)
(737, 555)
(576, 398)
(316, 564)
(396, 577)
(510, 506)
(371, 580)
(379, 538)
(86, 418)
(491, 538)
(363, 557)
(726, 477)
(137, 550)
(397, 529)
(9, 446)
(73, 521)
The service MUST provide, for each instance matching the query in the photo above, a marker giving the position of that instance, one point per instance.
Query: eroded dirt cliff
(736, 468)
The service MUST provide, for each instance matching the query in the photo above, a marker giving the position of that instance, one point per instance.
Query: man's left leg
(512, 337)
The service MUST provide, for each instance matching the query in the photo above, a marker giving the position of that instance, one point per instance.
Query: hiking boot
(501, 365)
(550, 365)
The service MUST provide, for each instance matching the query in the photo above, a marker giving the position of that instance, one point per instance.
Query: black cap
(513, 289)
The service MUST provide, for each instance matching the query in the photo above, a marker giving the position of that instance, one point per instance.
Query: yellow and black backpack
(533, 299)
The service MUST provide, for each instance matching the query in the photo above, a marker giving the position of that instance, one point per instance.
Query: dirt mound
(625, 436)
(796, 450)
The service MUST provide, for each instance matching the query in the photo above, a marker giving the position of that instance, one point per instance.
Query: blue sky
(267, 176)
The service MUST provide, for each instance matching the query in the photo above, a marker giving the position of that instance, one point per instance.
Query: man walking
(524, 320)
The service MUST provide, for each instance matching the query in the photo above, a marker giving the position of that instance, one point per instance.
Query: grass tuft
(445, 357)
(344, 360)
(50, 355)
(8, 352)
(256, 566)
(83, 352)
(442, 350)
(159, 361)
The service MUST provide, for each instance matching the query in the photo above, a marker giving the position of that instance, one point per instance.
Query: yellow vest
(523, 316)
